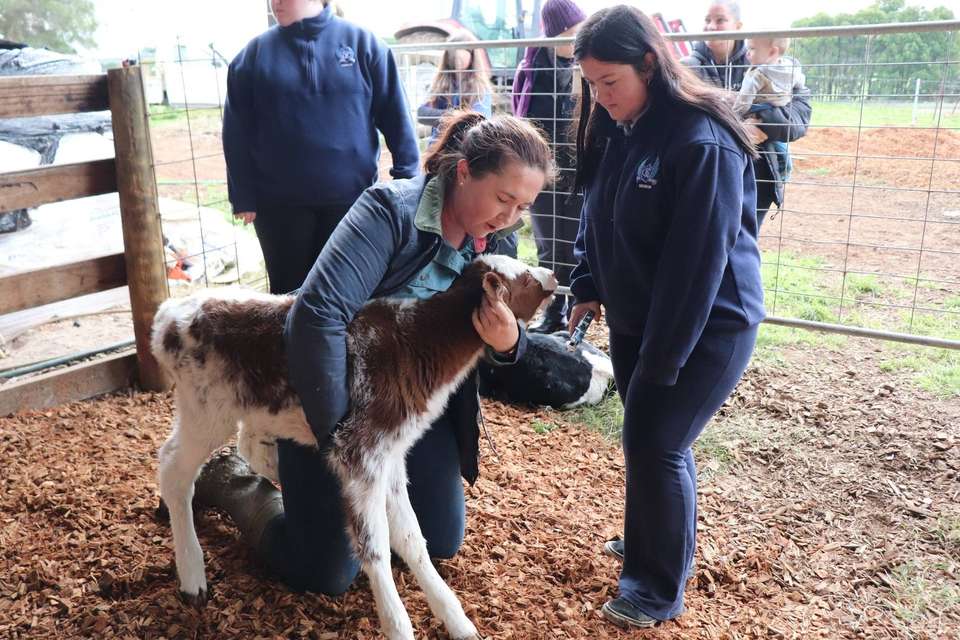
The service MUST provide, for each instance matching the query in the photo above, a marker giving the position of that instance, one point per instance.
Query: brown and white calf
(225, 352)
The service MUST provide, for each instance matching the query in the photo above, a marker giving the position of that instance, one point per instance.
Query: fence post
(916, 101)
(140, 214)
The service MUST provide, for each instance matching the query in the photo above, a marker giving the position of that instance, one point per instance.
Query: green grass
(860, 286)
(541, 427)
(921, 591)
(716, 448)
(213, 196)
(947, 532)
(873, 113)
(934, 370)
(201, 118)
(606, 418)
(794, 288)
(527, 247)
(800, 288)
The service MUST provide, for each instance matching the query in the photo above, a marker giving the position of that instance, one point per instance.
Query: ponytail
(487, 145)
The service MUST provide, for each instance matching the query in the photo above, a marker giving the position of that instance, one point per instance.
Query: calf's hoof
(465, 631)
(197, 601)
(162, 514)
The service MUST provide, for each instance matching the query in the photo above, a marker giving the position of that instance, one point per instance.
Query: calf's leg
(407, 540)
(366, 510)
(194, 437)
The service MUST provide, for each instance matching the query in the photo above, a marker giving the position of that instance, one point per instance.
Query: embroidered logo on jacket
(346, 56)
(648, 171)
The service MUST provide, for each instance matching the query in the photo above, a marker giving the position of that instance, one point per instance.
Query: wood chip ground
(829, 508)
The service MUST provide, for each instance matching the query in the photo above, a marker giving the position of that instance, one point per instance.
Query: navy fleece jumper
(668, 237)
(304, 103)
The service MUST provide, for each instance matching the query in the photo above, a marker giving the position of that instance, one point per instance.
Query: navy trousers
(291, 239)
(660, 424)
(308, 548)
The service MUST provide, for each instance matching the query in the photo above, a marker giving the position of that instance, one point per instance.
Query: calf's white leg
(407, 540)
(366, 505)
(195, 436)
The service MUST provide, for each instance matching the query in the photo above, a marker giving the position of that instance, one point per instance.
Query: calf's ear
(495, 287)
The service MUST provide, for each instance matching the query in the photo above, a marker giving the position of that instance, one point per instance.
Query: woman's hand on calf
(496, 325)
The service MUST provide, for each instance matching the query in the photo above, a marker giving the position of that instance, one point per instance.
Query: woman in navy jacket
(667, 246)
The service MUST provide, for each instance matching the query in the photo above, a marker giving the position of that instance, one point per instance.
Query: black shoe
(623, 614)
(614, 549)
(553, 318)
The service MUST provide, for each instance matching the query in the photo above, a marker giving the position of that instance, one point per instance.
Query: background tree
(889, 73)
(59, 25)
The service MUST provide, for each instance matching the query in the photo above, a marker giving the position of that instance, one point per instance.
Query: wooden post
(140, 214)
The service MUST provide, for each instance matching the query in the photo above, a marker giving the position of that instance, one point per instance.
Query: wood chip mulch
(829, 508)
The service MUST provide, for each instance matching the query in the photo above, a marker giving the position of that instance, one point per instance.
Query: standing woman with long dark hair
(668, 247)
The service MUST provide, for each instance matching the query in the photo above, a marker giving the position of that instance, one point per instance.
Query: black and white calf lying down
(549, 374)
(225, 352)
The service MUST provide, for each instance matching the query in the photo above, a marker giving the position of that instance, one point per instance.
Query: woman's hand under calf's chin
(497, 325)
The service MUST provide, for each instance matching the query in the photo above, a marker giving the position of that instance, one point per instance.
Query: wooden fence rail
(141, 265)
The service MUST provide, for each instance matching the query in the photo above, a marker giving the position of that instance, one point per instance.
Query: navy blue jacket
(304, 103)
(668, 236)
(780, 124)
(375, 251)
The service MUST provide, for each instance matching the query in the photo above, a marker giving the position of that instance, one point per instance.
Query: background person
(462, 82)
(543, 92)
(304, 103)
(723, 64)
(769, 83)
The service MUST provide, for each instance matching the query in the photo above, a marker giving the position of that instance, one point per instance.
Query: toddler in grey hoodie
(772, 76)
(769, 83)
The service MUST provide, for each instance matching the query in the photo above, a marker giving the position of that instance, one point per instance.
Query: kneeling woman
(406, 238)
(668, 247)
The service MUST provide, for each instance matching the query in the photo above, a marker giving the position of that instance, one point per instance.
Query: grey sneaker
(614, 549)
(623, 614)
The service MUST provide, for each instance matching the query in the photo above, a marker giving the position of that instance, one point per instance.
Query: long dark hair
(487, 144)
(624, 35)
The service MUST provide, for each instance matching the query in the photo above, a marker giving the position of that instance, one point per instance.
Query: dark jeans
(291, 239)
(308, 547)
(555, 223)
(660, 424)
(766, 190)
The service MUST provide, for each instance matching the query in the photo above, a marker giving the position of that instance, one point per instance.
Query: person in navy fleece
(304, 102)
(668, 248)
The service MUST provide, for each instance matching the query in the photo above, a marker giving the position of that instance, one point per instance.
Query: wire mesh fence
(204, 244)
(868, 234)
(867, 237)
